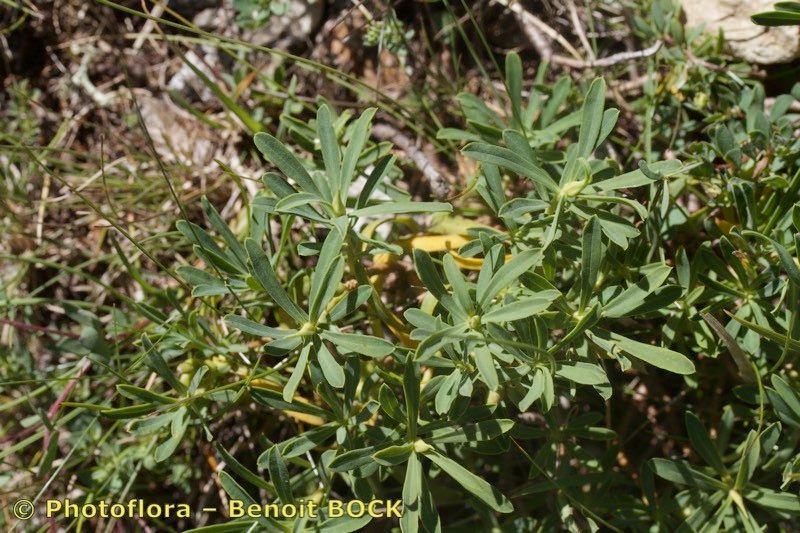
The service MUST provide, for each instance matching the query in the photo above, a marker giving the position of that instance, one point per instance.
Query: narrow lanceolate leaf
(390, 404)
(393, 455)
(702, 444)
(485, 363)
(329, 147)
(279, 475)
(412, 489)
(137, 393)
(521, 308)
(514, 83)
(411, 392)
(265, 275)
(323, 275)
(505, 158)
(277, 154)
(362, 344)
(474, 484)
(297, 374)
(157, 364)
(591, 257)
(230, 239)
(583, 373)
(591, 118)
(352, 459)
(457, 283)
(681, 473)
(507, 274)
(788, 263)
(654, 355)
(739, 357)
(395, 208)
(254, 328)
(480, 431)
(353, 151)
(331, 369)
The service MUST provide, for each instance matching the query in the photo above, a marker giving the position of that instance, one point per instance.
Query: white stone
(748, 41)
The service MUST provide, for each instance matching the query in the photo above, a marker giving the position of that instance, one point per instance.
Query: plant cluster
(595, 328)
(538, 310)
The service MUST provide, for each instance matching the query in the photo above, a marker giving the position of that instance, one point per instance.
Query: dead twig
(607, 61)
(576, 23)
(439, 185)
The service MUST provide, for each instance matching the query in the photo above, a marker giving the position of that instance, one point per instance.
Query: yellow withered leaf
(723, 225)
(435, 243)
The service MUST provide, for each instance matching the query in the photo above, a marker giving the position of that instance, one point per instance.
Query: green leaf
(331, 369)
(305, 442)
(475, 485)
(507, 274)
(457, 283)
(788, 263)
(448, 390)
(395, 208)
(227, 235)
(505, 158)
(783, 340)
(363, 344)
(514, 83)
(381, 169)
(788, 395)
(583, 373)
(411, 393)
(634, 299)
(485, 363)
(327, 273)
(352, 153)
(393, 455)
(157, 364)
(350, 303)
(522, 308)
(783, 501)
(749, 461)
(289, 204)
(124, 413)
(279, 475)
(681, 473)
(518, 207)
(177, 430)
(701, 442)
(265, 275)
(390, 404)
(654, 355)
(591, 258)
(591, 118)
(277, 154)
(274, 399)
(777, 18)
(137, 393)
(636, 178)
(477, 432)
(352, 459)
(329, 147)
(412, 490)
(743, 363)
(254, 328)
(243, 471)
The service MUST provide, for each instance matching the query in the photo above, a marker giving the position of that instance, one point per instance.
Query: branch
(610, 60)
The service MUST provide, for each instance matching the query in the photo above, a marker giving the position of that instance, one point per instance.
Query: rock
(177, 135)
(748, 41)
